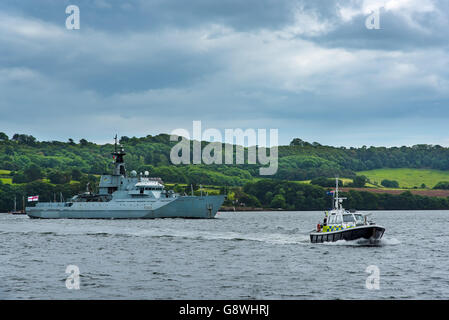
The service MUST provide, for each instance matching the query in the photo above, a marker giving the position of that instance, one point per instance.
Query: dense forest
(300, 196)
(54, 167)
(298, 161)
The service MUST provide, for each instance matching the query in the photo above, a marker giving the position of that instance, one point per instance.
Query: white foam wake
(365, 242)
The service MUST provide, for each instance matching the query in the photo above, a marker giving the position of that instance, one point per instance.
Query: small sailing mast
(16, 211)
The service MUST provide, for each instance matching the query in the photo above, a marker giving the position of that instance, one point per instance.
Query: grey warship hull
(205, 207)
(123, 196)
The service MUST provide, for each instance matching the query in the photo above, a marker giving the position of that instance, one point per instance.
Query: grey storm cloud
(309, 68)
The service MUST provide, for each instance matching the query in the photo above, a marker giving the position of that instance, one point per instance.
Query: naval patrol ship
(123, 196)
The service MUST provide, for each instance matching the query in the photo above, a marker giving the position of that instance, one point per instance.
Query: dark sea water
(243, 255)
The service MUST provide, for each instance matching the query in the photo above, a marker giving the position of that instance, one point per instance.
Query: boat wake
(281, 237)
(267, 237)
(364, 243)
(272, 238)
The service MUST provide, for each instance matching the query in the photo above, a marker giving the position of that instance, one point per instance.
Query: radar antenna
(115, 145)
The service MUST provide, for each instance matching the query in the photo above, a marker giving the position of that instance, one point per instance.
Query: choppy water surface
(253, 255)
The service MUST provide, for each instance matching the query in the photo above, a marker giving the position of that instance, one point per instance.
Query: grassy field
(6, 180)
(345, 181)
(407, 178)
(4, 176)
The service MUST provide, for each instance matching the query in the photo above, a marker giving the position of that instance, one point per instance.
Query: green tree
(124, 139)
(359, 181)
(76, 174)
(268, 197)
(278, 201)
(297, 142)
(3, 136)
(19, 178)
(389, 183)
(148, 159)
(24, 139)
(58, 177)
(33, 172)
(325, 182)
(444, 185)
(9, 151)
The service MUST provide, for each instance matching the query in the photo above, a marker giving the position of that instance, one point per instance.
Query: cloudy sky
(309, 68)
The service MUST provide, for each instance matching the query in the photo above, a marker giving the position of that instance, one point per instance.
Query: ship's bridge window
(359, 218)
(348, 218)
(332, 219)
(339, 219)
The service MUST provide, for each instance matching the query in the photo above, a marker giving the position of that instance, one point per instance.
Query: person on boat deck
(325, 220)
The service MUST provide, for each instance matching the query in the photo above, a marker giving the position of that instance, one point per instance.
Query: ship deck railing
(54, 204)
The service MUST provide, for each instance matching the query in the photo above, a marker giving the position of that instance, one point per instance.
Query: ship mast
(336, 194)
(338, 200)
(117, 155)
(336, 186)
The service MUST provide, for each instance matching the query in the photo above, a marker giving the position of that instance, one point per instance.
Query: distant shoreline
(251, 209)
(228, 209)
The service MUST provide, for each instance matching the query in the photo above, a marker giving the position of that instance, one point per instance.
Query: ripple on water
(263, 255)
